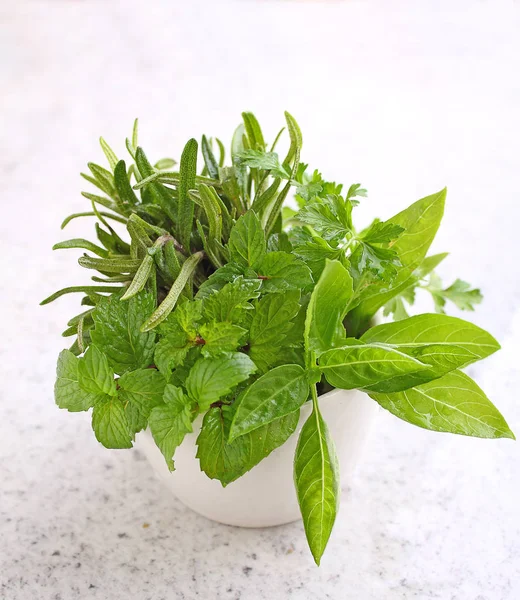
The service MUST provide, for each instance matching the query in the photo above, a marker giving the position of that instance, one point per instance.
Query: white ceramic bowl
(265, 496)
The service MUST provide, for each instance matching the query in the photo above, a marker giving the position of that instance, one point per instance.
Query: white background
(404, 97)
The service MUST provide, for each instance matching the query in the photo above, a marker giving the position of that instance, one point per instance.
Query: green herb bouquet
(219, 300)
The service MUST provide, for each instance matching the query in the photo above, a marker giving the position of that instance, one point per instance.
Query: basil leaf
(276, 394)
(420, 221)
(328, 304)
(271, 322)
(110, 424)
(186, 207)
(94, 373)
(380, 368)
(227, 461)
(445, 343)
(211, 378)
(117, 331)
(454, 404)
(67, 390)
(316, 477)
(140, 390)
(282, 271)
(429, 264)
(247, 240)
(170, 422)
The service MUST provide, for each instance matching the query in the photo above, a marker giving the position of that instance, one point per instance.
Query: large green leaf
(328, 304)
(227, 461)
(67, 390)
(272, 321)
(316, 477)
(117, 331)
(95, 375)
(454, 403)
(170, 422)
(212, 378)
(282, 271)
(140, 391)
(110, 423)
(276, 394)
(420, 222)
(359, 365)
(445, 343)
(247, 240)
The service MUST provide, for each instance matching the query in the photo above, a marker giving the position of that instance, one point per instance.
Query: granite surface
(405, 97)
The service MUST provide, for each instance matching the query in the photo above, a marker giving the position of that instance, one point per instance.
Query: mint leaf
(232, 301)
(282, 271)
(454, 403)
(186, 317)
(276, 394)
(170, 422)
(217, 280)
(271, 322)
(140, 391)
(247, 240)
(94, 373)
(227, 461)
(110, 424)
(279, 242)
(170, 352)
(220, 337)
(67, 391)
(380, 368)
(117, 331)
(212, 378)
(316, 477)
(327, 307)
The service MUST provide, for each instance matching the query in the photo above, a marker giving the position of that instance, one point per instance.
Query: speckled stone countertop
(405, 97)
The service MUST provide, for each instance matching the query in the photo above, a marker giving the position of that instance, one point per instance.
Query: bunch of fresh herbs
(221, 301)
